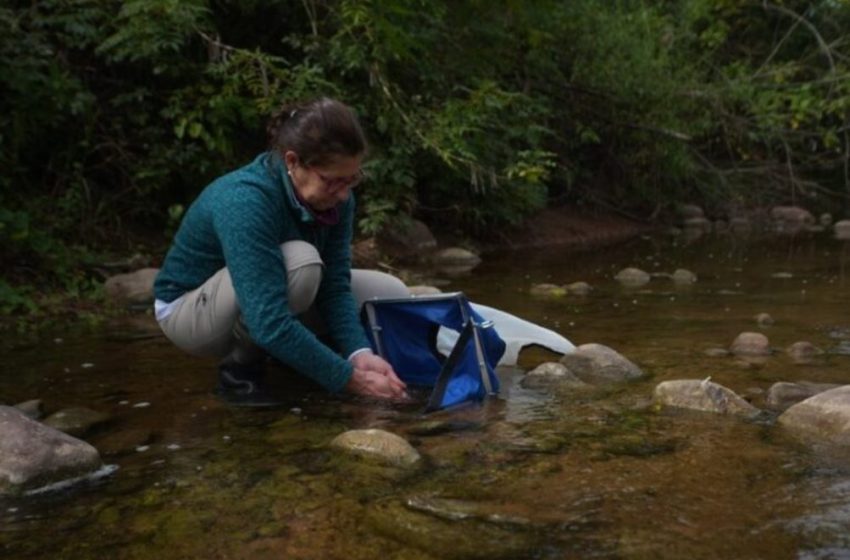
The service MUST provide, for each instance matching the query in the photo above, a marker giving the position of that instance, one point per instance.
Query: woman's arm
(335, 301)
(246, 227)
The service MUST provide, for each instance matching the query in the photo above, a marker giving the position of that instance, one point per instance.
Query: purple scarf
(328, 217)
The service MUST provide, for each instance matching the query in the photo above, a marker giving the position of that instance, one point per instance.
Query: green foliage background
(116, 113)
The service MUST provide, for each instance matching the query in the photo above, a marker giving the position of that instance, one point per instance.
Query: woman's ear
(291, 159)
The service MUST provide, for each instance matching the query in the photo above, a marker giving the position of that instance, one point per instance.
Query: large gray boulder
(703, 395)
(597, 364)
(379, 445)
(782, 395)
(134, 288)
(824, 417)
(34, 455)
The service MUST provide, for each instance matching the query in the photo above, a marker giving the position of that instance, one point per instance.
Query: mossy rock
(450, 540)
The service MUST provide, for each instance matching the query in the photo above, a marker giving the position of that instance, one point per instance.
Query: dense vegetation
(116, 113)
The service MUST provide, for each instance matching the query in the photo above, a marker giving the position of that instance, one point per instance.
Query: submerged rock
(824, 417)
(548, 374)
(34, 455)
(547, 290)
(750, 344)
(33, 408)
(683, 277)
(439, 537)
(578, 288)
(76, 421)
(632, 277)
(764, 319)
(825, 219)
(379, 445)
(123, 441)
(803, 352)
(716, 352)
(782, 395)
(132, 288)
(704, 395)
(452, 509)
(437, 427)
(597, 363)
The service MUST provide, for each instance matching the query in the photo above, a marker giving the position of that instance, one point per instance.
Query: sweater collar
(305, 213)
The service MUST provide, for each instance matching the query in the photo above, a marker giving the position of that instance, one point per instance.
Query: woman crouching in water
(262, 262)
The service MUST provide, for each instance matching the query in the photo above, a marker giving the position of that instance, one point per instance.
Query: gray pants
(207, 320)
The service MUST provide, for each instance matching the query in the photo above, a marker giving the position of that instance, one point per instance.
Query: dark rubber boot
(242, 385)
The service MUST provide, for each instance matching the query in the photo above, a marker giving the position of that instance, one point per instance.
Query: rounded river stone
(379, 445)
(695, 394)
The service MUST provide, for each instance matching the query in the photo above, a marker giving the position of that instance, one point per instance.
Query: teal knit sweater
(239, 221)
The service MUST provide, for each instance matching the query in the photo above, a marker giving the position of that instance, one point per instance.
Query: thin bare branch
(312, 15)
(776, 48)
(823, 46)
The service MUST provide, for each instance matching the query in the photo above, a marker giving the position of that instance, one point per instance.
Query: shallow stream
(563, 474)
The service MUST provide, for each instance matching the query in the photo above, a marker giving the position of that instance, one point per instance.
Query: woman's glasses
(334, 184)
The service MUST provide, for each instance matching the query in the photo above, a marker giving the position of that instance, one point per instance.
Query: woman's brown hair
(317, 130)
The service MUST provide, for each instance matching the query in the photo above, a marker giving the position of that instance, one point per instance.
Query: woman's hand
(376, 378)
(368, 383)
(371, 362)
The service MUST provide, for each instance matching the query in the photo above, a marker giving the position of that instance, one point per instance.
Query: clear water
(599, 474)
